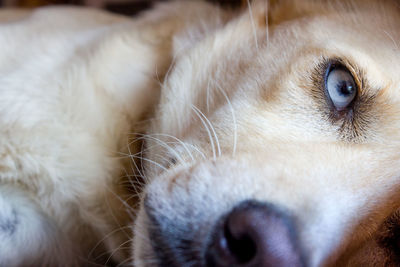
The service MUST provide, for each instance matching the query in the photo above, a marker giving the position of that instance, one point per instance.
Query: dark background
(127, 7)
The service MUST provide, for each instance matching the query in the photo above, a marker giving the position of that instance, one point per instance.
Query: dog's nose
(254, 234)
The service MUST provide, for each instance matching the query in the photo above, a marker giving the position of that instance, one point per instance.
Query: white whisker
(150, 161)
(129, 208)
(185, 145)
(180, 142)
(101, 241)
(134, 163)
(233, 119)
(206, 122)
(116, 249)
(165, 145)
(208, 96)
(213, 131)
(392, 39)
(122, 263)
(253, 25)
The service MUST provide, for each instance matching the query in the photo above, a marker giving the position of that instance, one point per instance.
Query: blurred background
(126, 7)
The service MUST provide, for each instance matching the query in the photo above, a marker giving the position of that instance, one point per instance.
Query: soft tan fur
(269, 134)
(228, 108)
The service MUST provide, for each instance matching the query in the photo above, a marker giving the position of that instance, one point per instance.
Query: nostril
(254, 234)
(242, 247)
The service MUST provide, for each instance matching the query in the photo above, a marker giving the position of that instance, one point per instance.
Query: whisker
(267, 6)
(141, 158)
(165, 145)
(127, 206)
(144, 136)
(233, 119)
(102, 240)
(113, 214)
(207, 129)
(122, 263)
(392, 39)
(208, 96)
(150, 161)
(253, 25)
(116, 249)
(136, 166)
(183, 144)
(212, 129)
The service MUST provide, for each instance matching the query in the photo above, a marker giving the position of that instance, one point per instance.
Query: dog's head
(276, 142)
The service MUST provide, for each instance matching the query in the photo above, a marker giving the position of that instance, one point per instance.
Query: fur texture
(209, 108)
(247, 103)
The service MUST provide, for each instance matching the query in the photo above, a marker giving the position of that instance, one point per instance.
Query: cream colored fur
(253, 125)
(75, 85)
(230, 111)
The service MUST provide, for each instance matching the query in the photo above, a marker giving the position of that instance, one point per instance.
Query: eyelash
(351, 122)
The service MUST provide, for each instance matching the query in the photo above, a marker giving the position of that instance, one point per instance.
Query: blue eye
(340, 87)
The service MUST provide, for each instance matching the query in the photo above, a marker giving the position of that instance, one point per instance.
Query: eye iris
(340, 87)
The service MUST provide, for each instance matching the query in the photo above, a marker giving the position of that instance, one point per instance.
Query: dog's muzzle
(251, 234)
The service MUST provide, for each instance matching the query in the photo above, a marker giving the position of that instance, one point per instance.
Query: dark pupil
(345, 88)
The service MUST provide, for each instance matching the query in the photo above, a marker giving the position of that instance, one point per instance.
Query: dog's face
(277, 142)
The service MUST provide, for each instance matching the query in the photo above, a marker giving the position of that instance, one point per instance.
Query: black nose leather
(254, 234)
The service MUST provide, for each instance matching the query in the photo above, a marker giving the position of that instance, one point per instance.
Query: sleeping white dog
(267, 137)
(75, 85)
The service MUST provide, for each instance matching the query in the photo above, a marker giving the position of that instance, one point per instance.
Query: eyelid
(348, 66)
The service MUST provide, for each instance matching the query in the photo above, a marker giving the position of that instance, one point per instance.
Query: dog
(77, 87)
(197, 136)
(276, 140)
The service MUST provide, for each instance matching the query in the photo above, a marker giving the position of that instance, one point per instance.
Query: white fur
(73, 82)
(228, 110)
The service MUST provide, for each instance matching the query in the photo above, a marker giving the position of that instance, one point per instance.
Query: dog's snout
(254, 234)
